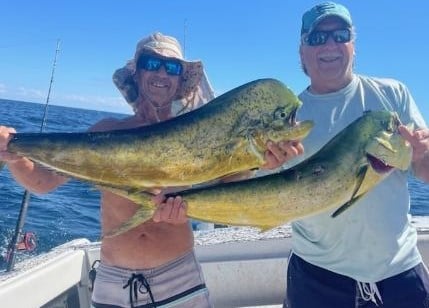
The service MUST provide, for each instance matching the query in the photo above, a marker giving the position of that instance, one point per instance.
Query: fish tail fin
(141, 215)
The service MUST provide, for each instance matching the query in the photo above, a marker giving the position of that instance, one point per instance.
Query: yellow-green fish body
(347, 167)
(225, 136)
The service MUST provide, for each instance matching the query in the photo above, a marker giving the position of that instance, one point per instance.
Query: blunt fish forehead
(388, 145)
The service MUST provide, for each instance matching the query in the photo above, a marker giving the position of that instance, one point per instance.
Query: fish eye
(280, 114)
(389, 126)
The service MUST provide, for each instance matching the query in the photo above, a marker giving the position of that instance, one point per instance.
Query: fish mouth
(378, 165)
(291, 119)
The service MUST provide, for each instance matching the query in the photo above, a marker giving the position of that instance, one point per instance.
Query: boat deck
(242, 267)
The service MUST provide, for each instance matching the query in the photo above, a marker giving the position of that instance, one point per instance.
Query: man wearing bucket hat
(189, 88)
(367, 256)
(155, 258)
(153, 264)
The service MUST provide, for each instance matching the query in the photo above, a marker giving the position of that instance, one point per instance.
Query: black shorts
(310, 286)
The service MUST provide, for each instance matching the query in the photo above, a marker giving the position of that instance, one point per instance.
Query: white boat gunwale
(239, 273)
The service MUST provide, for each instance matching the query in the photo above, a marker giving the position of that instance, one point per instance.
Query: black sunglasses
(151, 63)
(317, 38)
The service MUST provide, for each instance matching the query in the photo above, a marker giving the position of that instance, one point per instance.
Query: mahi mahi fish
(335, 177)
(226, 136)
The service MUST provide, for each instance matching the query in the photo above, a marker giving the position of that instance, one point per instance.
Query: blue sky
(238, 41)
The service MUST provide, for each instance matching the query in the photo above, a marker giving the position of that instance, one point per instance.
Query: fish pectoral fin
(253, 147)
(345, 206)
(235, 176)
(359, 180)
(141, 215)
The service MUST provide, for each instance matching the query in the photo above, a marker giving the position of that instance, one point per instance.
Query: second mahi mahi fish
(337, 176)
(225, 136)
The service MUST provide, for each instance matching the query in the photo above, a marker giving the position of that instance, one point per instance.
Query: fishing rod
(184, 38)
(10, 256)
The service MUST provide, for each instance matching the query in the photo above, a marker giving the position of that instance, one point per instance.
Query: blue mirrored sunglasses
(150, 63)
(317, 38)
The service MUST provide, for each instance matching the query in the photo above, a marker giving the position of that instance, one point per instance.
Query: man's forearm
(34, 178)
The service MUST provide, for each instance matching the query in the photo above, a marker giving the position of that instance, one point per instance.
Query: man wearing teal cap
(367, 256)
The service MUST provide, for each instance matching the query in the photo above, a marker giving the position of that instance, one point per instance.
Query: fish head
(387, 149)
(279, 125)
(272, 115)
(282, 126)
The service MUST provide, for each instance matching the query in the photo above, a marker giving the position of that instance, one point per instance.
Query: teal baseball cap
(317, 13)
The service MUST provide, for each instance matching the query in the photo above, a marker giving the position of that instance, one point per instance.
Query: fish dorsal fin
(359, 180)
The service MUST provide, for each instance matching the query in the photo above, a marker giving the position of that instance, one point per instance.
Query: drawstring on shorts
(369, 292)
(133, 284)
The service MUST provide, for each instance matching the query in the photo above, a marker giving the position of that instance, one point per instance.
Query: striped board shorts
(179, 283)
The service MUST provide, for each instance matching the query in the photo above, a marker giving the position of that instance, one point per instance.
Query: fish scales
(334, 178)
(339, 174)
(225, 136)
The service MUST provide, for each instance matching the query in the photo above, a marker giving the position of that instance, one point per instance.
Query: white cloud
(22, 94)
(106, 103)
(31, 93)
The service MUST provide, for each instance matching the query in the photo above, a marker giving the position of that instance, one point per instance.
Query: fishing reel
(26, 242)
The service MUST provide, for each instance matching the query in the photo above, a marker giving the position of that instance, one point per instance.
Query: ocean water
(72, 210)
